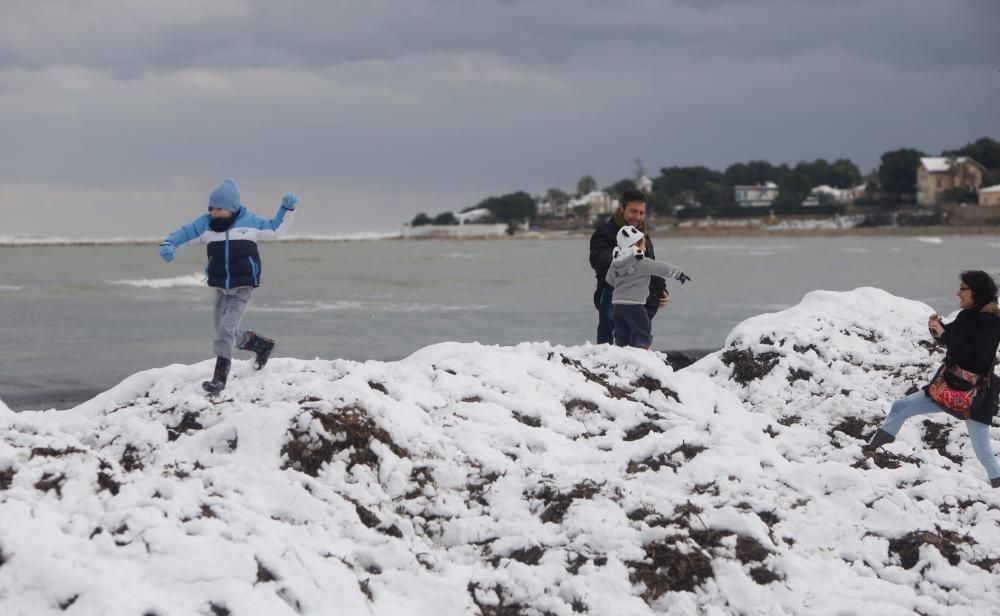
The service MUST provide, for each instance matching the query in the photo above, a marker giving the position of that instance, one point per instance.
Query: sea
(77, 319)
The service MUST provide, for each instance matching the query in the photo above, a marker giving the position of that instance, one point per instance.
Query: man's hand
(664, 299)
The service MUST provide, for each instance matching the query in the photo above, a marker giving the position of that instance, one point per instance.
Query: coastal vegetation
(692, 191)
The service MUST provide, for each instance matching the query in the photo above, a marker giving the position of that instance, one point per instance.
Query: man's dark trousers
(606, 318)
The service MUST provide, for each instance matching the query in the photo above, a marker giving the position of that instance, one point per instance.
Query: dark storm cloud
(471, 97)
(111, 35)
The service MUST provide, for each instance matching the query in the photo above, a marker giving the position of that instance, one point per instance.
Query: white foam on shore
(930, 240)
(191, 280)
(305, 307)
(20, 240)
(346, 305)
(9, 287)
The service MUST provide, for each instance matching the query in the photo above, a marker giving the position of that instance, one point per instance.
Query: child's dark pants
(632, 326)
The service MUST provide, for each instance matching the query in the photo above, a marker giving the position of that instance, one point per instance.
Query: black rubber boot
(995, 482)
(261, 346)
(218, 382)
(881, 437)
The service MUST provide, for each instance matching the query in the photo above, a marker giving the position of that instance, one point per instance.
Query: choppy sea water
(81, 318)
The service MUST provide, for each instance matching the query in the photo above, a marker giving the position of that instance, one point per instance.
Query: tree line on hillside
(893, 183)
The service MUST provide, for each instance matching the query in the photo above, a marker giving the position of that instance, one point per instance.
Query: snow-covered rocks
(533, 479)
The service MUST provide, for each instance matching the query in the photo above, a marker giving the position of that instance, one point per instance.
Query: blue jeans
(918, 403)
(632, 326)
(606, 318)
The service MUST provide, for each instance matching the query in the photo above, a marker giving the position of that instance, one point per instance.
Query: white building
(828, 194)
(598, 202)
(756, 195)
(472, 215)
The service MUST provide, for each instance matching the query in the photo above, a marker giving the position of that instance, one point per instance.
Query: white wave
(429, 307)
(357, 236)
(369, 306)
(930, 240)
(301, 306)
(465, 255)
(191, 280)
(26, 240)
(860, 251)
(720, 247)
(9, 287)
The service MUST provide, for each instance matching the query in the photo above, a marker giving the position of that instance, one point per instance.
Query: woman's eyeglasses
(963, 288)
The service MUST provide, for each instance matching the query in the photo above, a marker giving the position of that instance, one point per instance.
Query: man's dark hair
(984, 288)
(631, 195)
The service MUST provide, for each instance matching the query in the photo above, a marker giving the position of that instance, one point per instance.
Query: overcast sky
(118, 117)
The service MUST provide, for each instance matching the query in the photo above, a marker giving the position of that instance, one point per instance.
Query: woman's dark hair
(984, 288)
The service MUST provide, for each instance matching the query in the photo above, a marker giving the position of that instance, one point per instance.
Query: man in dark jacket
(632, 211)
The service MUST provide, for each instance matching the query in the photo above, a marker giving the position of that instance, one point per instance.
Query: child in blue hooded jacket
(230, 232)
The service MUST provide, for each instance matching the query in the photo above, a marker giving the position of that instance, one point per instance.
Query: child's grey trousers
(230, 306)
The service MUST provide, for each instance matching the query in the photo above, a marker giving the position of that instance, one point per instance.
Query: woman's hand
(935, 326)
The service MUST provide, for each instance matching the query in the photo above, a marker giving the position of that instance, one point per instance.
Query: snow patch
(537, 478)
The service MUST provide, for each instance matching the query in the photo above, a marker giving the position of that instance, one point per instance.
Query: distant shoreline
(545, 234)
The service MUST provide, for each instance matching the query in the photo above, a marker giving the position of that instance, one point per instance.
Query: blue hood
(226, 196)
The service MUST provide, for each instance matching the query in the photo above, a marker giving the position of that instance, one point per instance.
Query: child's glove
(682, 278)
(289, 201)
(167, 251)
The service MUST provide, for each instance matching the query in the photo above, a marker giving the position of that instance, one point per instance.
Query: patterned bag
(957, 390)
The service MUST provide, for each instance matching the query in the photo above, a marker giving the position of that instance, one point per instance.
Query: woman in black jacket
(972, 340)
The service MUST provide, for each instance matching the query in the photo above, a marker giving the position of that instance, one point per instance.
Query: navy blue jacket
(233, 259)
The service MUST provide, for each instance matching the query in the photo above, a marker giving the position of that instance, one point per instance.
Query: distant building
(822, 195)
(597, 202)
(757, 195)
(828, 194)
(990, 197)
(473, 215)
(938, 174)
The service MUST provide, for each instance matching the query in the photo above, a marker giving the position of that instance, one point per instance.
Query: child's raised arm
(182, 236)
(662, 269)
(281, 221)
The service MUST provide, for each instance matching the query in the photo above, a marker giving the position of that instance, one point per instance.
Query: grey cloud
(317, 34)
(468, 98)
